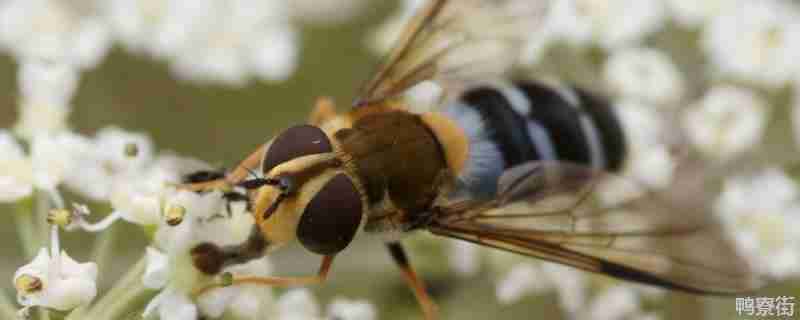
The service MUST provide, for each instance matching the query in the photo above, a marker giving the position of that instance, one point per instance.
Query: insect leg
(324, 110)
(414, 282)
(320, 277)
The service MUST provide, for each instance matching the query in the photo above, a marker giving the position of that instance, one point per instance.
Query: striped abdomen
(511, 124)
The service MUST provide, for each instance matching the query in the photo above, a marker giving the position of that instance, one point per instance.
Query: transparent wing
(598, 222)
(455, 41)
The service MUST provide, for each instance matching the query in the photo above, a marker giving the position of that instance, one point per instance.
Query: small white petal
(253, 304)
(608, 23)
(137, 206)
(38, 118)
(570, 284)
(37, 267)
(55, 156)
(113, 143)
(386, 35)
(48, 82)
(726, 122)
(692, 13)
(214, 303)
(760, 212)
(464, 258)
(756, 41)
(424, 96)
(298, 304)
(645, 74)
(176, 306)
(523, 279)
(92, 42)
(343, 309)
(326, 11)
(614, 303)
(66, 284)
(16, 172)
(275, 55)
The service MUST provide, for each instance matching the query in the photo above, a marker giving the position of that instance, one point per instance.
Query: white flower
(523, 279)
(138, 196)
(298, 304)
(244, 301)
(570, 285)
(16, 173)
(758, 42)
(608, 23)
(52, 157)
(108, 160)
(47, 82)
(650, 161)
(692, 13)
(326, 11)
(464, 257)
(56, 156)
(387, 34)
(56, 282)
(424, 96)
(46, 89)
(645, 74)
(249, 302)
(170, 267)
(214, 41)
(762, 213)
(726, 122)
(614, 303)
(54, 30)
(344, 309)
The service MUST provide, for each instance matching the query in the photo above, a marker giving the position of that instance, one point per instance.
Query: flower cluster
(223, 42)
(45, 165)
(709, 76)
(123, 169)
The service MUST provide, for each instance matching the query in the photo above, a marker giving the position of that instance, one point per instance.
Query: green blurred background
(221, 125)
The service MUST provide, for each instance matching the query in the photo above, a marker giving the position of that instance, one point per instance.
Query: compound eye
(293, 143)
(331, 219)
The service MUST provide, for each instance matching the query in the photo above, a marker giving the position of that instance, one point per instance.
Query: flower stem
(122, 305)
(102, 251)
(7, 309)
(26, 228)
(43, 314)
(118, 299)
(42, 210)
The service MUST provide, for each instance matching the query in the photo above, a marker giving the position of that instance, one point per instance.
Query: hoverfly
(515, 166)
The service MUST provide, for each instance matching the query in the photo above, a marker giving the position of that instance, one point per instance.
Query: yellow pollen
(27, 284)
(131, 150)
(59, 217)
(174, 214)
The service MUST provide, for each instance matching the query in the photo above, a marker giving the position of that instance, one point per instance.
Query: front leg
(321, 276)
(212, 180)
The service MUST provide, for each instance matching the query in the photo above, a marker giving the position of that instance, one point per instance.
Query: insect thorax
(399, 161)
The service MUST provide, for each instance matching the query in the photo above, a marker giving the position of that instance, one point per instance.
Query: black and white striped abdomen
(527, 121)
